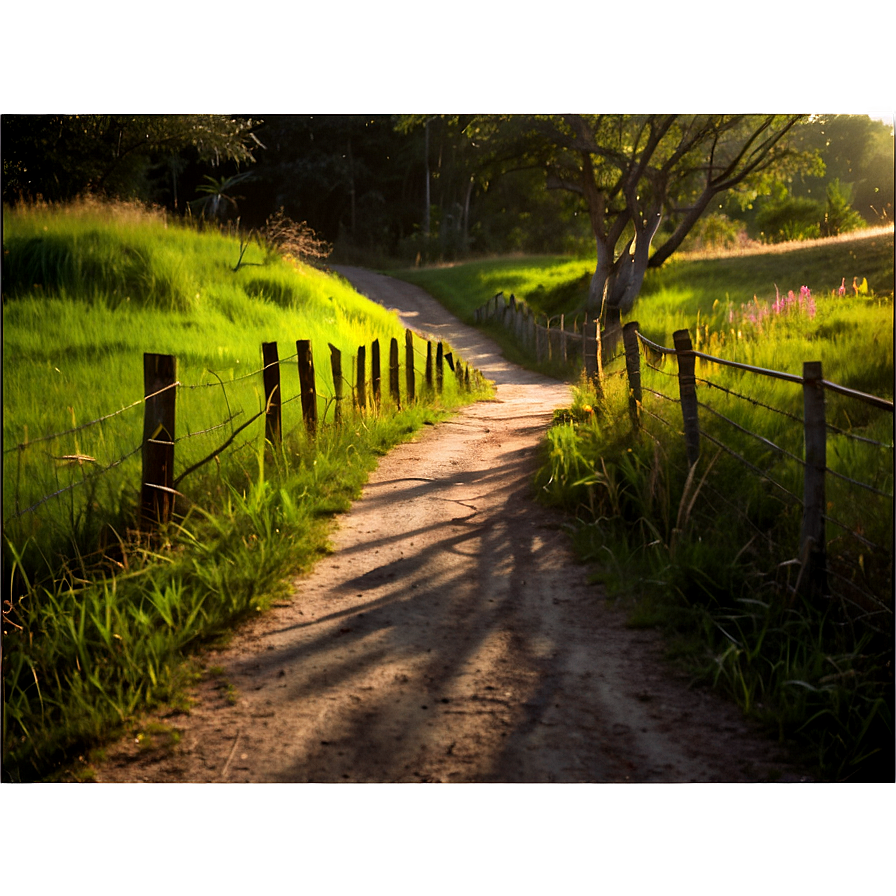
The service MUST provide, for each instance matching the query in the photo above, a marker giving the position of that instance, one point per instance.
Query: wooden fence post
(428, 366)
(687, 386)
(633, 369)
(409, 366)
(160, 391)
(813, 544)
(563, 355)
(307, 386)
(336, 368)
(272, 395)
(590, 347)
(393, 373)
(375, 378)
(440, 373)
(361, 382)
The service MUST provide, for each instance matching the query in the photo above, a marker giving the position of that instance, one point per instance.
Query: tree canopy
(643, 179)
(58, 157)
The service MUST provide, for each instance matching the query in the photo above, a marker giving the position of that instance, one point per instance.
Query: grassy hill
(98, 616)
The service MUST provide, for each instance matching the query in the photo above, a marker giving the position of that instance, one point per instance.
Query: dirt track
(451, 636)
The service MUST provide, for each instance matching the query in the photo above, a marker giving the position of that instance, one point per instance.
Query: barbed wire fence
(211, 416)
(790, 458)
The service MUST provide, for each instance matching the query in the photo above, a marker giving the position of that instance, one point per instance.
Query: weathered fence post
(272, 395)
(393, 372)
(375, 378)
(813, 544)
(336, 369)
(440, 373)
(429, 366)
(409, 366)
(590, 347)
(633, 369)
(361, 381)
(307, 386)
(687, 386)
(160, 391)
(563, 356)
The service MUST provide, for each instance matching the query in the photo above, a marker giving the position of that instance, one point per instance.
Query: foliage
(58, 157)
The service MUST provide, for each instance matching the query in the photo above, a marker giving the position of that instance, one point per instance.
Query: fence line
(813, 541)
(549, 342)
(158, 482)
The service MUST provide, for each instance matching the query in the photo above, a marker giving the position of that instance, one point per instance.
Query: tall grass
(98, 618)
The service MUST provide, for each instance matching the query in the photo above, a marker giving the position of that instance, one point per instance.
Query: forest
(431, 188)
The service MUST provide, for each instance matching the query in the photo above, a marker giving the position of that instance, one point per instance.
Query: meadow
(100, 618)
(711, 553)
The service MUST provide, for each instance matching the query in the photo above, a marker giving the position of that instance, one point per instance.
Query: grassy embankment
(98, 620)
(713, 559)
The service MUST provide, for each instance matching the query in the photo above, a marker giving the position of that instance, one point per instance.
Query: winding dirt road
(451, 636)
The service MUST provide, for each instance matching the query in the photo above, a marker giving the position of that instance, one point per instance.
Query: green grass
(551, 284)
(100, 618)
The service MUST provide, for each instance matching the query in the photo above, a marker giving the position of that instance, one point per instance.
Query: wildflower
(842, 290)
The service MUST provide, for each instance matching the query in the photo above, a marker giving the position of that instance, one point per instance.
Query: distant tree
(857, 152)
(59, 156)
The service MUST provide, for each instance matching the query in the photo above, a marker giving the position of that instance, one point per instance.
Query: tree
(641, 178)
(857, 152)
(60, 156)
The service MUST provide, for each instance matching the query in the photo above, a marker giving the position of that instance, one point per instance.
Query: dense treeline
(414, 187)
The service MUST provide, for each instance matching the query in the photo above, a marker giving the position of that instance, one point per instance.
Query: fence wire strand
(57, 435)
(84, 479)
(762, 474)
(764, 441)
(753, 401)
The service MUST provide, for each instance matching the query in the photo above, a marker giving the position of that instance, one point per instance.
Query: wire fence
(844, 548)
(283, 395)
(836, 480)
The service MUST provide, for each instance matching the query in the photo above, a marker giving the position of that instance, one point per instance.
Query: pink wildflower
(842, 290)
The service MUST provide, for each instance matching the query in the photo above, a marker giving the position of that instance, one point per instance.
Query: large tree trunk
(617, 281)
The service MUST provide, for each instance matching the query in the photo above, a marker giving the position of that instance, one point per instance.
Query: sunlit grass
(99, 617)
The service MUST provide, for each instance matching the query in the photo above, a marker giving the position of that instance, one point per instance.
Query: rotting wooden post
(361, 381)
(440, 373)
(459, 375)
(428, 366)
(467, 377)
(307, 386)
(375, 377)
(336, 369)
(160, 391)
(272, 395)
(633, 369)
(409, 374)
(687, 387)
(813, 543)
(394, 391)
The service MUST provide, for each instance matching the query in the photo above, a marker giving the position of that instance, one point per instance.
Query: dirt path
(452, 636)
